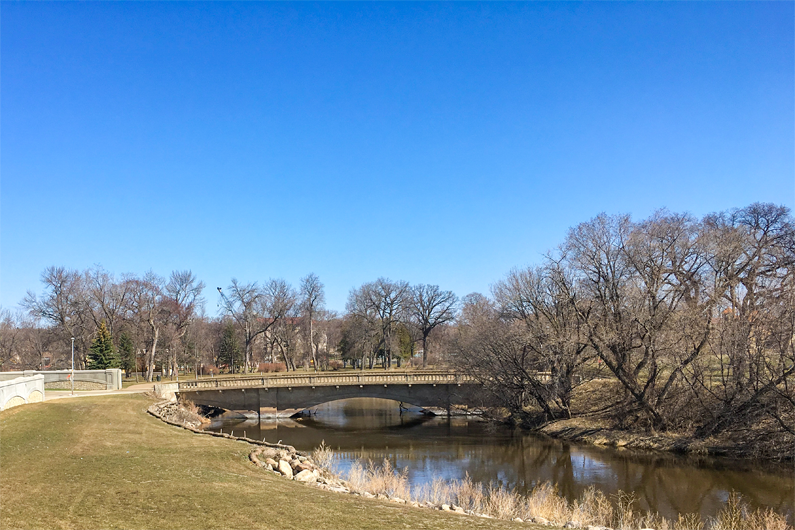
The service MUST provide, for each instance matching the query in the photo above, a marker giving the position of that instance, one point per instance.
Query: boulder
(446, 507)
(540, 520)
(518, 519)
(285, 469)
(271, 462)
(301, 466)
(458, 509)
(305, 476)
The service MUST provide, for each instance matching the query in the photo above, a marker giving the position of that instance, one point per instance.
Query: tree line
(680, 323)
(151, 323)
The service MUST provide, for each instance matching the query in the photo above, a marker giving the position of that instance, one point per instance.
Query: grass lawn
(102, 462)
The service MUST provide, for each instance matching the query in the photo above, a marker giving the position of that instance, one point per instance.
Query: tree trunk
(424, 350)
(248, 354)
(311, 342)
(151, 366)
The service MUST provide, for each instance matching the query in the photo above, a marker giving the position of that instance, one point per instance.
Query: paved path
(49, 395)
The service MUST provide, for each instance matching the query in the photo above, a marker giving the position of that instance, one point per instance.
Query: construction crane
(227, 303)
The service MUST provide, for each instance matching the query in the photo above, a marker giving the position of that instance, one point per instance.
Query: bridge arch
(285, 396)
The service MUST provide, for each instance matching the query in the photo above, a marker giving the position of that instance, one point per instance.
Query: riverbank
(596, 431)
(544, 504)
(102, 462)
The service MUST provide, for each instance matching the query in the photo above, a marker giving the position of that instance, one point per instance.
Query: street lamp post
(73, 366)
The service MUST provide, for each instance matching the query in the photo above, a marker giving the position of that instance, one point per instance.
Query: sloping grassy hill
(102, 462)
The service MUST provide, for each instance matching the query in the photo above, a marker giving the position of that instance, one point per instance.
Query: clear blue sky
(437, 143)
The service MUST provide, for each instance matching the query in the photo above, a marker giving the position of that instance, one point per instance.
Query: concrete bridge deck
(285, 395)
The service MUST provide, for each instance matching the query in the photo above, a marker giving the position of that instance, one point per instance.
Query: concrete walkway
(49, 395)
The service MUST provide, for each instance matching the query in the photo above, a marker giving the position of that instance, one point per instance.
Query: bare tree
(330, 335)
(64, 304)
(257, 309)
(107, 298)
(431, 307)
(148, 308)
(752, 259)
(182, 299)
(360, 338)
(637, 278)
(10, 336)
(285, 337)
(381, 303)
(313, 299)
(544, 301)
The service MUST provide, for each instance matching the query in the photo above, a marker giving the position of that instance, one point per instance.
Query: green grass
(102, 462)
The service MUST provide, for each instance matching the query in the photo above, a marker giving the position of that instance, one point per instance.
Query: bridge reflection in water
(451, 448)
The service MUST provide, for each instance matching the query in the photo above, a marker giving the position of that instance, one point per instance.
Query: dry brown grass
(190, 406)
(325, 457)
(383, 480)
(592, 508)
(736, 515)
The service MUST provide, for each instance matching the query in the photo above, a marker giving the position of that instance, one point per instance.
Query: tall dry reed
(592, 508)
(325, 457)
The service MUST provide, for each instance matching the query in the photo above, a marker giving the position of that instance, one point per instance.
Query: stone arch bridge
(288, 394)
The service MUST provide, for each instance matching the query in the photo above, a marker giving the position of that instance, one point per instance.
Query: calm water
(374, 429)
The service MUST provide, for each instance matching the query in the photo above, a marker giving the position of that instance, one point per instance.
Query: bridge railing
(299, 380)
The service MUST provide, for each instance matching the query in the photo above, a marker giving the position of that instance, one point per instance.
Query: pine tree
(127, 353)
(229, 349)
(102, 354)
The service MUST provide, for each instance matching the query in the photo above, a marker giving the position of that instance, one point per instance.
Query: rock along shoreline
(285, 461)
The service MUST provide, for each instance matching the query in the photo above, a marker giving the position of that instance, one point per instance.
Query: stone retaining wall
(109, 379)
(79, 385)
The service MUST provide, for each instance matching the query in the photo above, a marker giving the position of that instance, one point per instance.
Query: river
(373, 429)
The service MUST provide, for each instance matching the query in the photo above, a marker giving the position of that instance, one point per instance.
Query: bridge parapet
(347, 379)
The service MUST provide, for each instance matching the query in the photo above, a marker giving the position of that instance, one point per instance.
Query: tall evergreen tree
(102, 354)
(229, 349)
(127, 353)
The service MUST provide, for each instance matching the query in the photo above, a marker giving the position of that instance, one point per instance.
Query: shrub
(335, 364)
(271, 367)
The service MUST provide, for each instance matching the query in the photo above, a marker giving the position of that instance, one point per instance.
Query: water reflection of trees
(452, 449)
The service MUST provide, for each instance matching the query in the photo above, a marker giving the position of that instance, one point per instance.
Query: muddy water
(429, 447)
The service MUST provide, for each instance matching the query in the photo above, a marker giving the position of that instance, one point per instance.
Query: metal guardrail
(347, 379)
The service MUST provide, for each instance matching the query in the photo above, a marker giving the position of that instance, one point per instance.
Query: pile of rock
(172, 412)
(296, 466)
(286, 462)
